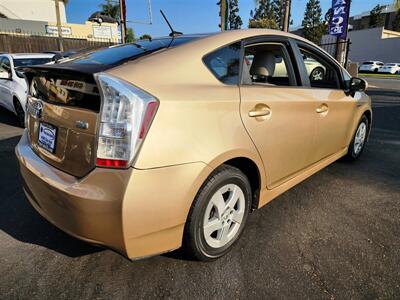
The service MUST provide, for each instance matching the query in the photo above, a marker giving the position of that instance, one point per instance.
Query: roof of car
(31, 55)
(244, 33)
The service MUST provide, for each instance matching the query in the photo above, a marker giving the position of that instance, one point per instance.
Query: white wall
(368, 44)
(38, 10)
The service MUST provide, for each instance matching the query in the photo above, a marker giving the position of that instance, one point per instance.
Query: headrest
(263, 64)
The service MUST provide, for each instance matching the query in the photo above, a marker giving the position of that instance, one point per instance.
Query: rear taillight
(126, 115)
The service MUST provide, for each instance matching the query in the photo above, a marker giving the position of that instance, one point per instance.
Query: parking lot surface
(334, 236)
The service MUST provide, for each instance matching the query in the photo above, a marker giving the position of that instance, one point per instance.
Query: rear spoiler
(82, 71)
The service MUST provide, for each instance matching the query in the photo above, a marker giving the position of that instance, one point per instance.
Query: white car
(370, 66)
(13, 86)
(392, 68)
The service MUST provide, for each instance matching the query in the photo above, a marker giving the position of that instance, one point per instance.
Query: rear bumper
(138, 213)
(87, 208)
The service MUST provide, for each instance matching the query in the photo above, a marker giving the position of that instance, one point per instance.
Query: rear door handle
(260, 110)
(323, 108)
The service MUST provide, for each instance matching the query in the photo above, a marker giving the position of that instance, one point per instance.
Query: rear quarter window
(224, 63)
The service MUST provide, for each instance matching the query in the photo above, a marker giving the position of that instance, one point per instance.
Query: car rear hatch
(62, 116)
(64, 103)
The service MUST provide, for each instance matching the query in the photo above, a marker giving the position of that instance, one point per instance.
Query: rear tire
(20, 113)
(218, 214)
(360, 136)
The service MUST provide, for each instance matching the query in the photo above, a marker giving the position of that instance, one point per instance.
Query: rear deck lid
(63, 110)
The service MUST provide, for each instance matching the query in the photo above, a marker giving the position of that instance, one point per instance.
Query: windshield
(20, 62)
(117, 54)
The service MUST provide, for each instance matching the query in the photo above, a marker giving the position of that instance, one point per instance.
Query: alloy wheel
(224, 215)
(317, 74)
(359, 139)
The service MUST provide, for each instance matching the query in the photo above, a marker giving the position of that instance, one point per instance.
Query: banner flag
(339, 19)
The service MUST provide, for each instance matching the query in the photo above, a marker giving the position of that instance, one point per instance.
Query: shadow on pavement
(7, 117)
(19, 220)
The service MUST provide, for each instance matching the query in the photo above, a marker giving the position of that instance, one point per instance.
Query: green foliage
(234, 20)
(278, 9)
(145, 37)
(313, 26)
(396, 21)
(130, 35)
(263, 23)
(376, 18)
(263, 10)
(263, 15)
(110, 9)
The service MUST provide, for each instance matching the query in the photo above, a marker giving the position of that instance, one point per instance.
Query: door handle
(323, 108)
(260, 110)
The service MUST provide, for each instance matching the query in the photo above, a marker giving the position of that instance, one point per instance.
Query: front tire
(357, 144)
(20, 113)
(218, 215)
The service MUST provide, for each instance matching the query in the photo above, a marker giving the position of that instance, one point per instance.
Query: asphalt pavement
(334, 236)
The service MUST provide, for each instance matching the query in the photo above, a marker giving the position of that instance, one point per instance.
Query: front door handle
(322, 109)
(260, 110)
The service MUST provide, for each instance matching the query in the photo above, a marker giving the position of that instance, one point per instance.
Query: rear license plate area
(47, 137)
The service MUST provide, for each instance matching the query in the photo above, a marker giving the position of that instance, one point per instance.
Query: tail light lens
(126, 115)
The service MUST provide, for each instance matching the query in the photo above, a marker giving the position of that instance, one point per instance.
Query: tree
(263, 23)
(145, 37)
(130, 35)
(110, 9)
(313, 26)
(396, 21)
(263, 15)
(376, 18)
(263, 10)
(278, 9)
(234, 20)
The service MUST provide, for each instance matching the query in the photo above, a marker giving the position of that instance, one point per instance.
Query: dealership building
(38, 17)
(378, 43)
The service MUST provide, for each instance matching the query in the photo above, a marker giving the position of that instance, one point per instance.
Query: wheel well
(250, 169)
(15, 99)
(367, 113)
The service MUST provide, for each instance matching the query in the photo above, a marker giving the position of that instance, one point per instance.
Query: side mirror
(5, 75)
(357, 85)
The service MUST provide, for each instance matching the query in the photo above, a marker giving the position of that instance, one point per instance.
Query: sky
(192, 16)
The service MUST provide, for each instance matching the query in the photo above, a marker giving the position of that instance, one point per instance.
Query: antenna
(173, 33)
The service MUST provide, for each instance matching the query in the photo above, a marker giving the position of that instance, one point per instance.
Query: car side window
(224, 63)
(267, 64)
(321, 73)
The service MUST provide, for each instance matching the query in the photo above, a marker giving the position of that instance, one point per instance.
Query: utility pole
(223, 13)
(122, 12)
(59, 39)
(286, 18)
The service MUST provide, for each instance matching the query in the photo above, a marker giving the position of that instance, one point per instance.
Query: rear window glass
(367, 63)
(117, 54)
(64, 90)
(20, 62)
(224, 63)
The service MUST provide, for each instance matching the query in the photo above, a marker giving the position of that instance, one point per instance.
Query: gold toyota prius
(150, 146)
